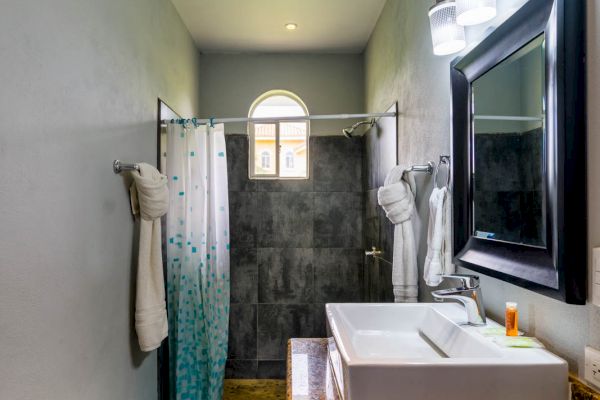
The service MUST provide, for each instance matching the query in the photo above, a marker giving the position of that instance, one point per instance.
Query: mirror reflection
(508, 149)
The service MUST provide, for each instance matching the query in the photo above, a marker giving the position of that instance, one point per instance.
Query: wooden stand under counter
(308, 372)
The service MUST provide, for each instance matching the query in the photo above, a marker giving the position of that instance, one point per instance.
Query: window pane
(278, 106)
(293, 145)
(265, 149)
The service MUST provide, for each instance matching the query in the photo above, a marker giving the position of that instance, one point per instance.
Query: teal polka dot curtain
(197, 260)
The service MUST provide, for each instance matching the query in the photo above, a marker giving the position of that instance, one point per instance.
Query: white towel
(439, 246)
(150, 308)
(397, 197)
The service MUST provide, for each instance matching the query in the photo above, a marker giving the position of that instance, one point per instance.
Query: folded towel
(397, 197)
(439, 248)
(150, 307)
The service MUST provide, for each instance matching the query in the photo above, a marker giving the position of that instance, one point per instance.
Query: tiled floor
(254, 389)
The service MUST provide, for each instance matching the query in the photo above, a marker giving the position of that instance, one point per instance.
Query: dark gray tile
(320, 320)
(338, 220)
(285, 185)
(337, 164)
(285, 219)
(371, 283)
(285, 275)
(244, 276)
(279, 322)
(338, 275)
(372, 233)
(241, 369)
(498, 161)
(242, 219)
(271, 369)
(237, 164)
(371, 204)
(386, 292)
(242, 331)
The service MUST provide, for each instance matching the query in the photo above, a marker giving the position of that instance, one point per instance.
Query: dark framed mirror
(518, 146)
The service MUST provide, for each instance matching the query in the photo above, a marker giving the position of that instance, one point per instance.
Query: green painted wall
(328, 84)
(80, 81)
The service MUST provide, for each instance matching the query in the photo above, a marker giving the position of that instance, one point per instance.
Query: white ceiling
(324, 26)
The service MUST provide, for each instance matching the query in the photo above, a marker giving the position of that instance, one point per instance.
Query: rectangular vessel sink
(425, 351)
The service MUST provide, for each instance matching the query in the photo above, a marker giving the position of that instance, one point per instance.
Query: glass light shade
(473, 12)
(447, 36)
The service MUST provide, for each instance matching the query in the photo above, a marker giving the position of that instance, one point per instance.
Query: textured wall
(80, 81)
(399, 64)
(328, 84)
(295, 245)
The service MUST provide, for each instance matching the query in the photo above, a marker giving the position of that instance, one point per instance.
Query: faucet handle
(467, 281)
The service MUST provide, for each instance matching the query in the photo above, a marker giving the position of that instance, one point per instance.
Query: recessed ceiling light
(291, 26)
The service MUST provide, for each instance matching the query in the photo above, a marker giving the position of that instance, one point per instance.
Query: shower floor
(254, 389)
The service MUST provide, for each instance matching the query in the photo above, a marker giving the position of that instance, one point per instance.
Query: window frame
(278, 148)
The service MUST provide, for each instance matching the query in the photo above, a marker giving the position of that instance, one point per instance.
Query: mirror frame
(560, 269)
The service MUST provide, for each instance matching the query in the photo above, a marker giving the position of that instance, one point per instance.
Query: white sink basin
(424, 351)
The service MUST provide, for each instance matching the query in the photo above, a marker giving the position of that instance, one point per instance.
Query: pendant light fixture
(447, 36)
(473, 12)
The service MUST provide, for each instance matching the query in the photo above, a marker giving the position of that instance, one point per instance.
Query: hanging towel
(150, 307)
(397, 197)
(439, 252)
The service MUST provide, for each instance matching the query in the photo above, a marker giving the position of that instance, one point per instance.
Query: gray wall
(399, 64)
(295, 245)
(328, 84)
(80, 81)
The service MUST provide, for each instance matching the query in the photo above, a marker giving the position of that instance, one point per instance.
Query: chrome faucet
(373, 252)
(469, 294)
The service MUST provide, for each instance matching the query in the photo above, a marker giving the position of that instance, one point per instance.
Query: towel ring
(443, 160)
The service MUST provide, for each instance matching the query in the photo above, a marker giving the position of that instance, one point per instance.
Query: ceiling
(324, 26)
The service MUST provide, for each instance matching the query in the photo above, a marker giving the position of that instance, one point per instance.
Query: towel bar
(427, 168)
(119, 166)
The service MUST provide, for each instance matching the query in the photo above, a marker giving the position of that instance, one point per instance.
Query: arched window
(265, 160)
(289, 159)
(278, 129)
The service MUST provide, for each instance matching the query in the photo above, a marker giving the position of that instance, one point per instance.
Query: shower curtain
(197, 260)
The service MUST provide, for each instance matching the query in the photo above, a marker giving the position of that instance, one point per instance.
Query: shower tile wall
(295, 245)
(379, 231)
(508, 182)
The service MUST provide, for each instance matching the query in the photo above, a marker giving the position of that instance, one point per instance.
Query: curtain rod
(298, 118)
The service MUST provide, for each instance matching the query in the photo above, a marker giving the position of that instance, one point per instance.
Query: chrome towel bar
(427, 168)
(119, 166)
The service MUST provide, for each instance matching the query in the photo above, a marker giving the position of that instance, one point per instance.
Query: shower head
(348, 132)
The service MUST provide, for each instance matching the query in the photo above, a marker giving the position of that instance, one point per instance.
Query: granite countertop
(309, 376)
(581, 391)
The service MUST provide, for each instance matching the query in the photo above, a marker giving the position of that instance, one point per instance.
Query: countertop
(581, 391)
(310, 378)
(308, 374)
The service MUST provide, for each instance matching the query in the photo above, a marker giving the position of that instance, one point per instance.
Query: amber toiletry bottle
(512, 319)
